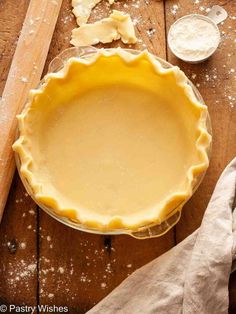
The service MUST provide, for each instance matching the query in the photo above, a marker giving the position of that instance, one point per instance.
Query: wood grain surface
(45, 262)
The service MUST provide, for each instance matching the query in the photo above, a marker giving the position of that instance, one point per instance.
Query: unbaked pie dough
(83, 8)
(113, 141)
(117, 26)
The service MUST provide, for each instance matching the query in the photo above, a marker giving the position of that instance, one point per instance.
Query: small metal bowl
(146, 231)
(190, 16)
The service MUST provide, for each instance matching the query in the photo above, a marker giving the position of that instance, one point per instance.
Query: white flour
(193, 38)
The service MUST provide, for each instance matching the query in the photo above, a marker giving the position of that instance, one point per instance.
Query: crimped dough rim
(175, 200)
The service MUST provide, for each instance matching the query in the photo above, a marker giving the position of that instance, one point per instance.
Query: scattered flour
(24, 79)
(103, 285)
(174, 9)
(61, 270)
(22, 245)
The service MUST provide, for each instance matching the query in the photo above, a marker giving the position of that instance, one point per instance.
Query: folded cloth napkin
(193, 276)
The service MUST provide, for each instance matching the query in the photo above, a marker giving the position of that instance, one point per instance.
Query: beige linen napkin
(193, 276)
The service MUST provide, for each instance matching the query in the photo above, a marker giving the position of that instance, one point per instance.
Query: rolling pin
(25, 73)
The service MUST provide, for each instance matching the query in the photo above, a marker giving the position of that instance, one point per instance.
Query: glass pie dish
(146, 230)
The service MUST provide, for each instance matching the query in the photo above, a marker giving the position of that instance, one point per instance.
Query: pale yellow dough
(113, 141)
(83, 8)
(117, 26)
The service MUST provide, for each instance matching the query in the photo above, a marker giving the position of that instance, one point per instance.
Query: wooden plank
(215, 80)
(79, 269)
(11, 20)
(18, 249)
(18, 237)
(232, 294)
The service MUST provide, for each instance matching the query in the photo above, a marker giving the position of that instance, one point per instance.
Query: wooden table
(45, 262)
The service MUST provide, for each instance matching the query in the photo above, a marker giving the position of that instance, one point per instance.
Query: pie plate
(98, 137)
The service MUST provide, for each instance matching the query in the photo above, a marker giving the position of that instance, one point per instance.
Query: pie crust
(113, 141)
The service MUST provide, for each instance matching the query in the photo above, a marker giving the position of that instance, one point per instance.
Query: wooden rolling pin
(25, 73)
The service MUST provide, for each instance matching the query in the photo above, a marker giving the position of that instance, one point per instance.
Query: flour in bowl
(193, 38)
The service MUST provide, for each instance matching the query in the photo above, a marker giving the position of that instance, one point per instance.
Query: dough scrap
(82, 9)
(117, 26)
